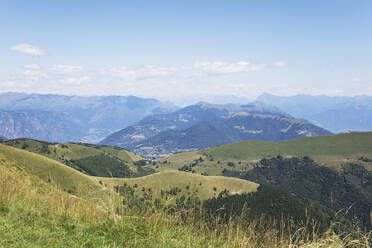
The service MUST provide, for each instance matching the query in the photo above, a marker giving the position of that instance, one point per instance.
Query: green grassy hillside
(340, 145)
(51, 171)
(331, 151)
(77, 183)
(197, 185)
(88, 159)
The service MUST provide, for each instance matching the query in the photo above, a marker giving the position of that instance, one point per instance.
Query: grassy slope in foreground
(34, 213)
(37, 214)
(199, 185)
(52, 171)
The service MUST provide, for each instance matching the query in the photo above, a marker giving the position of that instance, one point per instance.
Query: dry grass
(34, 213)
(19, 187)
(202, 186)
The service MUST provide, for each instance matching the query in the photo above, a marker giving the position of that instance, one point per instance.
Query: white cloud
(75, 80)
(28, 49)
(32, 67)
(124, 72)
(222, 67)
(6, 84)
(66, 69)
(34, 75)
(280, 64)
(150, 71)
(142, 72)
(145, 80)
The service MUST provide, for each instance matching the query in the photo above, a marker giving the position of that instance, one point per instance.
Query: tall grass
(34, 213)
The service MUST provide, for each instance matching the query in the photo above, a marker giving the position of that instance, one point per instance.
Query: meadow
(330, 151)
(38, 212)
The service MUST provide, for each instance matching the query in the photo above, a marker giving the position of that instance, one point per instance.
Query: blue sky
(169, 49)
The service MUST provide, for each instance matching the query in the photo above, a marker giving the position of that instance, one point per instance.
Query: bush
(231, 164)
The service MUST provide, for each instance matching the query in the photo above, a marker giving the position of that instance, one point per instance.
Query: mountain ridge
(94, 116)
(206, 125)
(335, 113)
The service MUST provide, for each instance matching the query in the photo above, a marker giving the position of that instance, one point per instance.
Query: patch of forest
(268, 203)
(349, 189)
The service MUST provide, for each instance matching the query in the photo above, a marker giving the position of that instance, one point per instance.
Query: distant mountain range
(152, 128)
(39, 124)
(337, 114)
(59, 118)
(206, 125)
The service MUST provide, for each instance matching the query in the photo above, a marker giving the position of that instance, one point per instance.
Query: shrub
(231, 164)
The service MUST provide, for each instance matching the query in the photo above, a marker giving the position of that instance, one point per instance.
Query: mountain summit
(206, 125)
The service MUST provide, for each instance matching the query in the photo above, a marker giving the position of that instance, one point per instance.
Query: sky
(186, 49)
